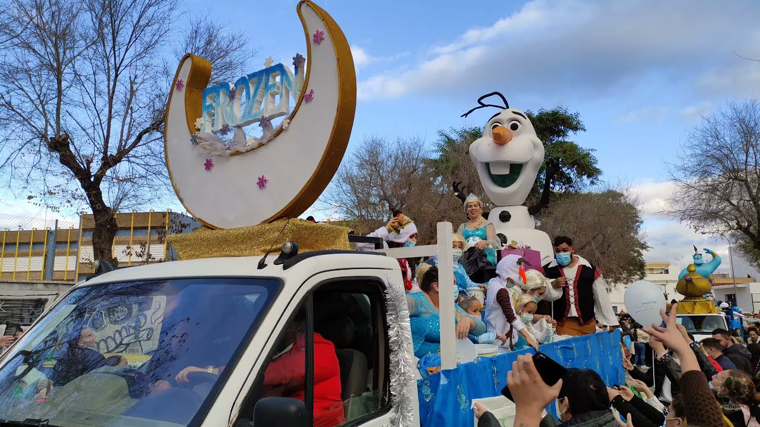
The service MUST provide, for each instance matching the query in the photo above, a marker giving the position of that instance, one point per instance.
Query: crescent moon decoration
(246, 179)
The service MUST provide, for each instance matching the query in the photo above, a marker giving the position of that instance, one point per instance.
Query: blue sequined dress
(482, 234)
(426, 324)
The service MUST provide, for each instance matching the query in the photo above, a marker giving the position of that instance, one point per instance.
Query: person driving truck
(286, 374)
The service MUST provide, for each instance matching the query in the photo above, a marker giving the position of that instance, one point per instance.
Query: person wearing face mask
(424, 318)
(540, 330)
(578, 292)
(535, 286)
(501, 316)
(463, 280)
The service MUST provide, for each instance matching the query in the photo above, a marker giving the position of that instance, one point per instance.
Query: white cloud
(361, 57)
(653, 196)
(694, 113)
(732, 80)
(648, 114)
(588, 48)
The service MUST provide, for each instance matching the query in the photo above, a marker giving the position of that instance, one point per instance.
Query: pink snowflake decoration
(309, 96)
(209, 165)
(318, 37)
(262, 182)
(180, 84)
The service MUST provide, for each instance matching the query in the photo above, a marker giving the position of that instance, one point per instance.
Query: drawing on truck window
(139, 351)
(349, 363)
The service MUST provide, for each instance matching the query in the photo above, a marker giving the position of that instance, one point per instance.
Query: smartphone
(550, 372)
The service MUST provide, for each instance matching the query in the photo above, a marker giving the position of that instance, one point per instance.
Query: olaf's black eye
(514, 125)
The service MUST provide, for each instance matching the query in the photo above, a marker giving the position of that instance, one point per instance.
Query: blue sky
(639, 72)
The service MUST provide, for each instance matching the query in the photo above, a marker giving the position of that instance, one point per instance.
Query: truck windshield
(697, 324)
(137, 353)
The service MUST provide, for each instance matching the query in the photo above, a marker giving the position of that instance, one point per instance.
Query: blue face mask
(409, 244)
(564, 258)
(536, 299)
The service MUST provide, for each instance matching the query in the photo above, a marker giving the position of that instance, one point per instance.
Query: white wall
(667, 282)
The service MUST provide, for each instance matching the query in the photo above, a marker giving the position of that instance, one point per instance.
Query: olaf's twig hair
(482, 105)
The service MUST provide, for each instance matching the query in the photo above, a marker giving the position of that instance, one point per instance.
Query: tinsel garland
(402, 370)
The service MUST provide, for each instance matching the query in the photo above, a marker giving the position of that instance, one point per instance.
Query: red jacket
(287, 374)
(715, 364)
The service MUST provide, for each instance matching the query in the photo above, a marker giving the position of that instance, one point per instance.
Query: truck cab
(702, 325)
(213, 342)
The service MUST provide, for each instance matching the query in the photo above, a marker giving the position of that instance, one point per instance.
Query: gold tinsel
(257, 239)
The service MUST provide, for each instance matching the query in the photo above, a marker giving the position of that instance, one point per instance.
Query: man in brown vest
(577, 295)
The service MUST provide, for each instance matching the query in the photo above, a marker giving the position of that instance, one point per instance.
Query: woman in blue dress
(424, 318)
(478, 227)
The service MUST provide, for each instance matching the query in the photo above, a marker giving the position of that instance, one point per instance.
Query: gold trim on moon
(199, 75)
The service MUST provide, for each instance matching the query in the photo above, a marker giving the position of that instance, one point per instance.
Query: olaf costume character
(501, 315)
(508, 157)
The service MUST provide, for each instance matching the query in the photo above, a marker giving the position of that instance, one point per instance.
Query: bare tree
(82, 94)
(382, 177)
(606, 229)
(717, 176)
(227, 51)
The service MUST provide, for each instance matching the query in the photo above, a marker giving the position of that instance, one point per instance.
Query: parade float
(695, 282)
(247, 184)
(246, 159)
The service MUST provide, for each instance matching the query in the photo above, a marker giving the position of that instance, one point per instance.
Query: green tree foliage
(606, 229)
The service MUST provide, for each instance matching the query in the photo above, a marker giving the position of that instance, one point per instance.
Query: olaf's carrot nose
(501, 135)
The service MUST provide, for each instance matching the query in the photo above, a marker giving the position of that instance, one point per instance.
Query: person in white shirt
(578, 294)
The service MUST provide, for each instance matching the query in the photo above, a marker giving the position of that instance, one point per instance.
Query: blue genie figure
(703, 269)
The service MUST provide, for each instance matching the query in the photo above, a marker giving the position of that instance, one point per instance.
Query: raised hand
(628, 424)
(625, 393)
(671, 336)
(479, 410)
(642, 388)
(529, 392)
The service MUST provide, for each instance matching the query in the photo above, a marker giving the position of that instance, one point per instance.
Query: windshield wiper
(30, 422)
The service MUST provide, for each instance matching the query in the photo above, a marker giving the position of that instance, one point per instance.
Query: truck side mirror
(272, 411)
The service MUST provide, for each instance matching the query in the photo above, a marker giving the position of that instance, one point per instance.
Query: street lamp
(667, 269)
(733, 276)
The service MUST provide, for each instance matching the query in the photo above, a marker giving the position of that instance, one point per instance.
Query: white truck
(228, 341)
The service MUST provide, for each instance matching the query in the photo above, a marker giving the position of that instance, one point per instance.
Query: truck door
(333, 355)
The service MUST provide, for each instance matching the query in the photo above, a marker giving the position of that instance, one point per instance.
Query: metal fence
(34, 249)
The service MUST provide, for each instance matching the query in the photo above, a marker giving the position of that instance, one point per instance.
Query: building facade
(665, 276)
(38, 266)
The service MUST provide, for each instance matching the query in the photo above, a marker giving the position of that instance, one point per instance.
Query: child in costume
(501, 315)
(541, 330)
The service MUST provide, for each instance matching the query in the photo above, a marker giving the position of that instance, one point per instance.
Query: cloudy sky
(640, 72)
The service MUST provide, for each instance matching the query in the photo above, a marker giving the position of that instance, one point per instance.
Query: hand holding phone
(549, 371)
(531, 393)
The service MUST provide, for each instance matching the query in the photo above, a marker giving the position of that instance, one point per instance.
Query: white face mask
(527, 318)
(457, 254)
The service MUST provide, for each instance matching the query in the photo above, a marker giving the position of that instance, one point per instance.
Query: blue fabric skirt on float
(446, 397)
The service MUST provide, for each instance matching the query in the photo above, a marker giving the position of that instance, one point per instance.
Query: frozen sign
(267, 145)
(266, 93)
